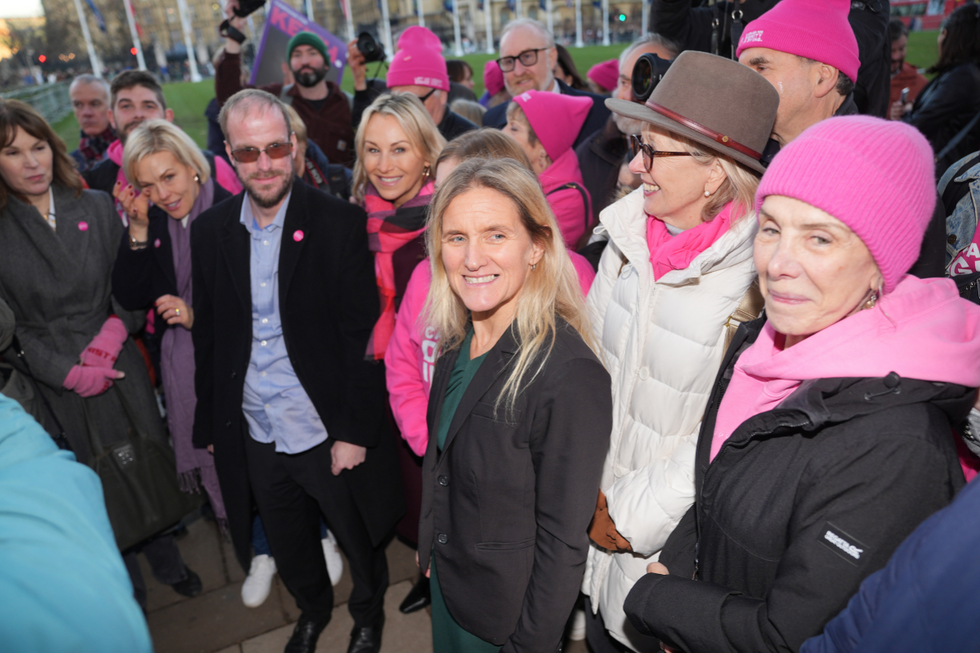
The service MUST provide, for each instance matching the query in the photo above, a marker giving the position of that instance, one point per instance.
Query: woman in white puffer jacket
(676, 269)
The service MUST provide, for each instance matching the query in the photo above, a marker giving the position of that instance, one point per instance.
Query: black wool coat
(507, 504)
(800, 505)
(328, 301)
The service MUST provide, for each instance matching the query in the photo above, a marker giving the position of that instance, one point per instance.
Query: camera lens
(370, 48)
(647, 73)
(642, 80)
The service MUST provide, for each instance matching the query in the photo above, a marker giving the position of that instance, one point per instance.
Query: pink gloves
(105, 347)
(90, 381)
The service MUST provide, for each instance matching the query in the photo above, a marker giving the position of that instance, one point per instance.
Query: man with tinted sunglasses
(527, 60)
(285, 300)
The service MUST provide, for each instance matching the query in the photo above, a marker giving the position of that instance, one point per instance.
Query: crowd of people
(683, 361)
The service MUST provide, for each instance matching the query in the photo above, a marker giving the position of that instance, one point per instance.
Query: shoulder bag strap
(585, 199)
(748, 309)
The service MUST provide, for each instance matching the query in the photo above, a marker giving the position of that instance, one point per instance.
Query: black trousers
(291, 492)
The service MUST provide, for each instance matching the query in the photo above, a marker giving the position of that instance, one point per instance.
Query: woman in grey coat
(57, 247)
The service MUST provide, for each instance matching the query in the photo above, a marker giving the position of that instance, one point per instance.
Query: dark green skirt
(447, 635)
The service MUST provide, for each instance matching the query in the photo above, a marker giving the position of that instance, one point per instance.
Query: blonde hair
(414, 121)
(515, 112)
(486, 143)
(161, 136)
(739, 186)
(551, 289)
(299, 127)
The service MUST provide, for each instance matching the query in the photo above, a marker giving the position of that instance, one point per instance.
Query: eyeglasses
(649, 154)
(527, 58)
(251, 154)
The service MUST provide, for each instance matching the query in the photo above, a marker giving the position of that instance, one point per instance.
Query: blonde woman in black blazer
(520, 415)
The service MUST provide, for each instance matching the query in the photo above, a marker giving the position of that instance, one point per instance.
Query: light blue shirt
(276, 406)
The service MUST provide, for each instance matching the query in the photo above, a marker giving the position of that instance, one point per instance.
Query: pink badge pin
(156, 243)
(83, 226)
(298, 235)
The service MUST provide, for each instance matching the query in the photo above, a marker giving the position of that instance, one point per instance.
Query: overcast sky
(19, 8)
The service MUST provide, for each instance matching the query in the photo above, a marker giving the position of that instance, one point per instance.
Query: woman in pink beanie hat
(827, 438)
(604, 76)
(545, 126)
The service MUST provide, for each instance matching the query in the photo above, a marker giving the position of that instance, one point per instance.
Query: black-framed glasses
(251, 154)
(649, 154)
(527, 58)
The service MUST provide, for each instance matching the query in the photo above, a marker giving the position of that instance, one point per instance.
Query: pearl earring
(872, 300)
(707, 194)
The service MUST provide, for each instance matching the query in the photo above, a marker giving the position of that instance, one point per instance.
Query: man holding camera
(320, 103)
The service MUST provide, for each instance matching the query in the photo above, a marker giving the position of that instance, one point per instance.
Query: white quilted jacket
(662, 342)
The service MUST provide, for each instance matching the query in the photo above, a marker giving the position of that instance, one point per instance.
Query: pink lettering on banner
(295, 27)
(278, 17)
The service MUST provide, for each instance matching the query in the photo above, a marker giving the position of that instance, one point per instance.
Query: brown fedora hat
(714, 101)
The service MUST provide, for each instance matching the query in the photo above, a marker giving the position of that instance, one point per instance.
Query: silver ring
(176, 311)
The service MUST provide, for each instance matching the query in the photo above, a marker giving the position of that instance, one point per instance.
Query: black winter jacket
(944, 107)
(691, 29)
(799, 506)
(600, 157)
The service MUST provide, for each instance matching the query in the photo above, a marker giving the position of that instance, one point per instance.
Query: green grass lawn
(189, 100)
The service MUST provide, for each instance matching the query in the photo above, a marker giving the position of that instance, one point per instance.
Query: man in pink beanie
(807, 50)
(717, 28)
(417, 68)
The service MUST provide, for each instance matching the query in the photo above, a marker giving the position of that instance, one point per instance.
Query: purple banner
(282, 22)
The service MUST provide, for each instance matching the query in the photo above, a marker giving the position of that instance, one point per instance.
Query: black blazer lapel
(497, 360)
(235, 242)
(293, 237)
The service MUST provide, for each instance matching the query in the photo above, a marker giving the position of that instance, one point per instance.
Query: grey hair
(530, 22)
(92, 79)
(252, 98)
(650, 39)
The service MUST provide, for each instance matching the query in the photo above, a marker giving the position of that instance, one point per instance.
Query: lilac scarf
(194, 466)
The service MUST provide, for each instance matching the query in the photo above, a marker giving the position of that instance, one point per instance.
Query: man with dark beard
(320, 103)
(285, 299)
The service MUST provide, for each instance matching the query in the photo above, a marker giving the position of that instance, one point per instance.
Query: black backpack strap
(585, 199)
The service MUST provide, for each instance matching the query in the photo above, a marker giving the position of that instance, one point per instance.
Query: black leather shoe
(417, 598)
(367, 639)
(190, 586)
(305, 634)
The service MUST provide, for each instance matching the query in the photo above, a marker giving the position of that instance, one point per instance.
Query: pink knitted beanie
(493, 79)
(419, 61)
(815, 29)
(874, 175)
(605, 74)
(555, 118)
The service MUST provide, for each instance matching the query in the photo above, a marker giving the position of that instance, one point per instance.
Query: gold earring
(425, 170)
(872, 300)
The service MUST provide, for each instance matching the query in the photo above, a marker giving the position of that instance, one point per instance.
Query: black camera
(647, 73)
(370, 48)
(244, 8)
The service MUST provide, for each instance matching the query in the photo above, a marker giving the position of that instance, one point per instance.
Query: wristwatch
(137, 244)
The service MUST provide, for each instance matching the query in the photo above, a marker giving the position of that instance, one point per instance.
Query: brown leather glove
(603, 531)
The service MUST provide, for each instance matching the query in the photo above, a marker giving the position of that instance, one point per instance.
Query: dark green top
(459, 379)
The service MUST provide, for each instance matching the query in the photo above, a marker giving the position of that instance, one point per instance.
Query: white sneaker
(577, 632)
(255, 589)
(331, 553)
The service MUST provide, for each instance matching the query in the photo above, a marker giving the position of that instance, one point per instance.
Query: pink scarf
(389, 229)
(676, 252)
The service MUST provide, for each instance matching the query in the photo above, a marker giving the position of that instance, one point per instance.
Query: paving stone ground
(217, 622)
